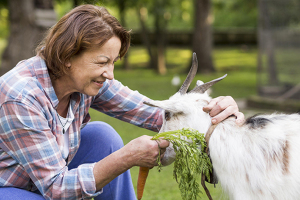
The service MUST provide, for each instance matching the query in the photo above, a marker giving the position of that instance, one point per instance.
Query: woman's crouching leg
(98, 140)
(11, 193)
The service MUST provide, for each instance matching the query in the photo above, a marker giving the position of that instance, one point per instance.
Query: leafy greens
(191, 160)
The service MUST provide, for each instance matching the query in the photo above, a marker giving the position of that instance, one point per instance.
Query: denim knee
(101, 133)
(98, 140)
(11, 193)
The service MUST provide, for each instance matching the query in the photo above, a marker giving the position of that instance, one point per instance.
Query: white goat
(259, 160)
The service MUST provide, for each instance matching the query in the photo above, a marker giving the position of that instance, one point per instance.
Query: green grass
(239, 64)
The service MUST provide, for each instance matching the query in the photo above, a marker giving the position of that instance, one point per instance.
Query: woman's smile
(98, 83)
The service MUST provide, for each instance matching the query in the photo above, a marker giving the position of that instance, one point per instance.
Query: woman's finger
(163, 143)
(223, 115)
(223, 105)
(212, 104)
(240, 118)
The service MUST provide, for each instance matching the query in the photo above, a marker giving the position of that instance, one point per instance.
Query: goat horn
(205, 86)
(190, 76)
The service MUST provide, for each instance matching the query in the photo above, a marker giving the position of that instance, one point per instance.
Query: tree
(160, 35)
(122, 10)
(268, 43)
(235, 13)
(29, 19)
(145, 34)
(202, 36)
(156, 50)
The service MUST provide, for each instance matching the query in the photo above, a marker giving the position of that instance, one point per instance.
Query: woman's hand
(222, 107)
(141, 151)
(144, 151)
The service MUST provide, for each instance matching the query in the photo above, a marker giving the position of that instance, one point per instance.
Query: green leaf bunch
(191, 160)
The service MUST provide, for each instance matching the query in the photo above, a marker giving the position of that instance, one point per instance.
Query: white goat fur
(259, 160)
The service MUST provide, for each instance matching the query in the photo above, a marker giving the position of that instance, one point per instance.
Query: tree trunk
(29, 19)
(202, 37)
(146, 38)
(160, 36)
(122, 10)
(268, 43)
(272, 70)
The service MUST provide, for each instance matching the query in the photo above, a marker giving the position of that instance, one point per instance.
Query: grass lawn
(239, 64)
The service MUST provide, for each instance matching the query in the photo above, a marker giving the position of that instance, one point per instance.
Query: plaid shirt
(31, 139)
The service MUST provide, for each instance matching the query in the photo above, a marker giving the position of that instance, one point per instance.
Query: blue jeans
(98, 140)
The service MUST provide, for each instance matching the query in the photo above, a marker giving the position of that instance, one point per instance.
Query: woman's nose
(109, 73)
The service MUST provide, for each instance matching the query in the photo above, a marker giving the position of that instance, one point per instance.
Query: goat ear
(165, 105)
(199, 83)
(158, 104)
(150, 104)
(205, 86)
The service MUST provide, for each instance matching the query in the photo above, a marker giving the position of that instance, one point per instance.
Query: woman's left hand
(222, 107)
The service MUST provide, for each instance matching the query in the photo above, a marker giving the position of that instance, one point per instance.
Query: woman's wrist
(110, 167)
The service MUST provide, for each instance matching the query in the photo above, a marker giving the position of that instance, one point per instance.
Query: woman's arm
(118, 101)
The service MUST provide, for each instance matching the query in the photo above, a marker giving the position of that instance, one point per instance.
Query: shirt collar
(42, 75)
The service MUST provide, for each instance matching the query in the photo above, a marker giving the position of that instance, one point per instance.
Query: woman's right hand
(144, 152)
(141, 151)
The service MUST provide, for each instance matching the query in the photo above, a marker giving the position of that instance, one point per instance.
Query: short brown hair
(82, 28)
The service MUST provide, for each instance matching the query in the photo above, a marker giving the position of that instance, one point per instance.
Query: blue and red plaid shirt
(31, 138)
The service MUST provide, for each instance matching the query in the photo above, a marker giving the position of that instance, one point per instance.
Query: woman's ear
(68, 64)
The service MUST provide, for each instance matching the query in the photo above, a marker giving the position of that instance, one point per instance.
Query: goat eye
(167, 115)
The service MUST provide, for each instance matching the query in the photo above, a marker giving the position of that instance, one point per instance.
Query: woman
(45, 146)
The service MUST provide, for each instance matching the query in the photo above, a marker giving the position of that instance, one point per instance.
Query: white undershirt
(65, 123)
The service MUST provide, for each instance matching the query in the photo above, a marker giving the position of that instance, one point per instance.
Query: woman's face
(90, 69)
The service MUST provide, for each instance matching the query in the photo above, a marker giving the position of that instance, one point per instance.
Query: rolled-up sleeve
(118, 101)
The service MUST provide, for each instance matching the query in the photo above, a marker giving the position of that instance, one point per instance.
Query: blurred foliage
(62, 7)
(3, 3)
(281, 13)
(4, 31)
(235, 13)
(179, 13)
(2, 46)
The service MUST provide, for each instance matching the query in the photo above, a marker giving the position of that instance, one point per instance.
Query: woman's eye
(102, 63)
(167, 116)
